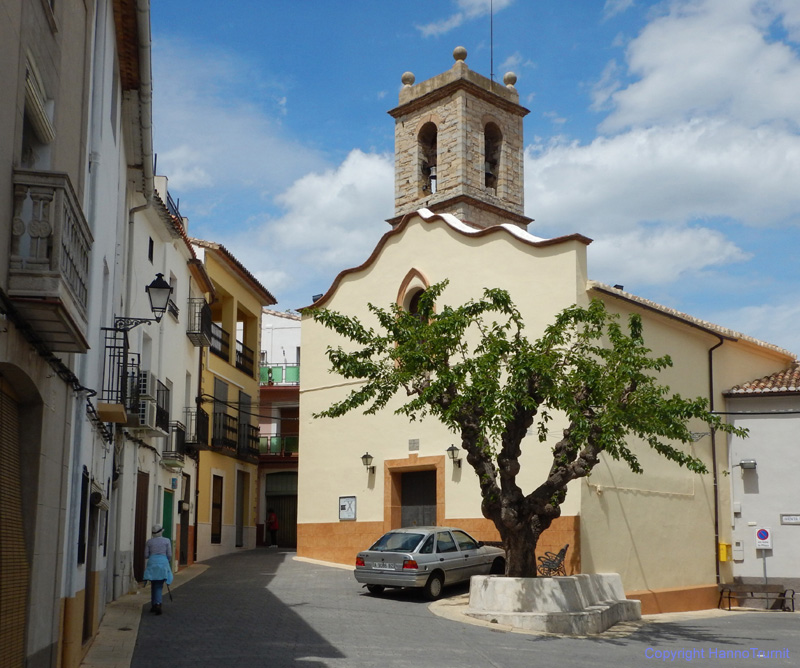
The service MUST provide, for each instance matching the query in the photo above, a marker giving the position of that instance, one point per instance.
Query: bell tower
(458, 147)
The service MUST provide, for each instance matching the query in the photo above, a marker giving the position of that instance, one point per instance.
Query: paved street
(264, 608)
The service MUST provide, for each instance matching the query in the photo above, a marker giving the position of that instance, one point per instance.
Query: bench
(777, 593)
(552, 563)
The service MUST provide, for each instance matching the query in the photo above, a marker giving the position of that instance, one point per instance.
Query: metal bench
(777, 593)
(551, 564)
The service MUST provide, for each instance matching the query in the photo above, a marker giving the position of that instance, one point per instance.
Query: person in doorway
(158, 555)
(272, 527)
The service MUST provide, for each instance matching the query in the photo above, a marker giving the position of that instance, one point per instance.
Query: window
(464, 541)
(216, 509)
(426, 141)
(445, 542)
(150, 247)
(427, 547)
(493, 142)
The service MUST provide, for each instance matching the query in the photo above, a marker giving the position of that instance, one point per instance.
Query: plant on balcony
(472, 368)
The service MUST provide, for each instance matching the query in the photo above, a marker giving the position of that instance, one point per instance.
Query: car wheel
(498, 567)
(375, 590)
(433, 587)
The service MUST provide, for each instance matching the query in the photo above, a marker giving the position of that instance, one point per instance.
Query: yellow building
(228, 466)
(459, 149)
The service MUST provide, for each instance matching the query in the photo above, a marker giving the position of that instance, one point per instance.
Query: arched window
(413, 303)
(428, 157)
(493, 143)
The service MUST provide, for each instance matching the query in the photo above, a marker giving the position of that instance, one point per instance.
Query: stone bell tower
(458, 147)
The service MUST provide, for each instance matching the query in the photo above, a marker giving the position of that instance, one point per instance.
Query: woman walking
(158, 553)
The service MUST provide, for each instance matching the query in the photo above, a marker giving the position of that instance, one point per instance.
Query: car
(426, 557)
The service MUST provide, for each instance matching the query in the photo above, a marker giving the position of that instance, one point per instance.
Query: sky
(666, 131)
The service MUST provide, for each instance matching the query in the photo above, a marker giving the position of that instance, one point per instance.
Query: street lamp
(158, 292)
(366, 460)
(452, 452)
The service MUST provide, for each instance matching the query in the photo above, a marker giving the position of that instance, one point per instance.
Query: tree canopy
(473, 368)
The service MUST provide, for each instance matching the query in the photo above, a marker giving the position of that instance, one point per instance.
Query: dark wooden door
(140, 524)
(418, 499)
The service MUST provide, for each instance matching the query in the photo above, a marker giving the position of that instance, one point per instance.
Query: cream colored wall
(657, 529)
(542, 281)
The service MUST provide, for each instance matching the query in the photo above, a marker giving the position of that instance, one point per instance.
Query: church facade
(459, 215)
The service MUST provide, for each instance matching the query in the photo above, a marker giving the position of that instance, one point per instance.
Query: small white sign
(347, 507)
(790, 519)
(763, 538)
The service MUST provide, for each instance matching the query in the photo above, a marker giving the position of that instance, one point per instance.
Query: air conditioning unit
(147, 385)
(147, 415)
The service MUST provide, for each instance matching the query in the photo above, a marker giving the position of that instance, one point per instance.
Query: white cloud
(332, 220)
(219, 124)
(707, 58)
(673, 174)
(661, 254)
(614, 7)
(467, 10)
(777, 322)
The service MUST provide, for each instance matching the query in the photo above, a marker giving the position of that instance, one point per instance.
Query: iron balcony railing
(279, 445)
(280, 374)
(196, 426)
(220, 342)
(162, 406)
(198, 329)
(245, 358)
(176, 451)
(248, 441)
(225, 432)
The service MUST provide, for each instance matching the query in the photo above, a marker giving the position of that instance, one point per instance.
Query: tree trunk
(520, 544)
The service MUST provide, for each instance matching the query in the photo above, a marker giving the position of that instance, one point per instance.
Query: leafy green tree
(474, 370)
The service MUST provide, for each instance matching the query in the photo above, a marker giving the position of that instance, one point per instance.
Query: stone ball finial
(460, 53)
(509, 79)
(408, 78)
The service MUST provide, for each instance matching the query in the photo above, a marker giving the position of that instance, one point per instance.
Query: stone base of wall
(678, 599)
(339, 542)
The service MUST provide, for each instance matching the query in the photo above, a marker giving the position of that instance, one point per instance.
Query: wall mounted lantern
(746, 464)
(366, 460)
(452, 452)
(158, 292)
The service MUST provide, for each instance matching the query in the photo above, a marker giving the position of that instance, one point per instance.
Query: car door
(469, 548)
(449, 558)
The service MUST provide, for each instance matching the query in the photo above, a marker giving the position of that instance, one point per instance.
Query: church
(459, 215)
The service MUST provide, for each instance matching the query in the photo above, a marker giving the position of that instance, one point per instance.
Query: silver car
(427, 557)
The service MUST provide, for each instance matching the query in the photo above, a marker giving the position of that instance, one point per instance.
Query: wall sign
(763, 538)
(347, 507)
(790, 519)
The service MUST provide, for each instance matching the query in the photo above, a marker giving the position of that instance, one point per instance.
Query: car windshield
(397, 542)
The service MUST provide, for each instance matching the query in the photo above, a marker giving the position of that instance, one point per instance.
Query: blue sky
(667, 131)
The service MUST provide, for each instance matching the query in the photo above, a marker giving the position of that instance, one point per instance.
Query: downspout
(146, 95)
(714, 454)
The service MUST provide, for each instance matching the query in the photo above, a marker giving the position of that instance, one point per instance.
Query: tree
(474, 370)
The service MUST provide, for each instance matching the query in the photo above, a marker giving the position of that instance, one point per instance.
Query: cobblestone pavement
(265, 608)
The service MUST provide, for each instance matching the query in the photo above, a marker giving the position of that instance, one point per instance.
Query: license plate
(383, 567)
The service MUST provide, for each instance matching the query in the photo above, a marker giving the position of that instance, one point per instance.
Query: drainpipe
(146, 95)
(714, 454)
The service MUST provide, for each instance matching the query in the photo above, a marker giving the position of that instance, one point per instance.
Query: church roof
(687, 319)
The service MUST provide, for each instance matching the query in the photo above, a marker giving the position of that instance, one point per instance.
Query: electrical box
(725, 552)
(738, 551)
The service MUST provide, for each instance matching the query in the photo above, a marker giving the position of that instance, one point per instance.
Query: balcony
(280, 374)
(220, 342)
(279, 446)
(225, 432)
(196, 426)
(245, 358)
(248, 441)
(199, 327)
(162, 407)
(49, 260)
(174, 457)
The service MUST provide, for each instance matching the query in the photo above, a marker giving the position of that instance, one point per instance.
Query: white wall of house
(767, 496)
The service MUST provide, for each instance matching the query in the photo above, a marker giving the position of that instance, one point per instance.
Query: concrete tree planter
(571, 605)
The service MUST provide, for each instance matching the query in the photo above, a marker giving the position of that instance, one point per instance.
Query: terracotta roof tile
(786, 381)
